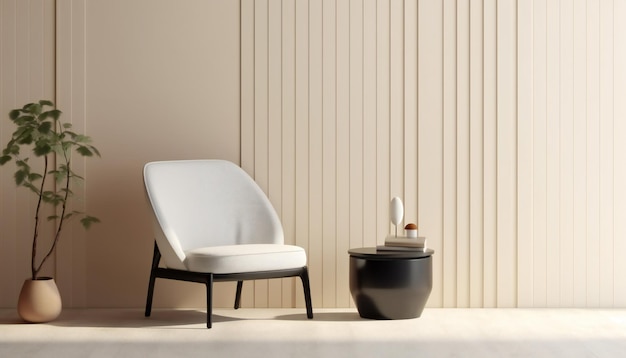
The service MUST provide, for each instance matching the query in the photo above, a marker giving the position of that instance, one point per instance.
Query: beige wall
(148, 80)
(27, 72)
(498, 123)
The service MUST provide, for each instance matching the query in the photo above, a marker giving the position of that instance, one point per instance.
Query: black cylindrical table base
(390, 286)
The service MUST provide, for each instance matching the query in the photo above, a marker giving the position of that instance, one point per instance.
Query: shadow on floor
(136, 319)
(126, 318)
(325, 317)
(164, 318)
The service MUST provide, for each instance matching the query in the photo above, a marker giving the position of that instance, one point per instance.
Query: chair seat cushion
(245, 258)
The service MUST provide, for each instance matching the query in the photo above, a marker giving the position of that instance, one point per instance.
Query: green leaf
(69, 191)
(59, 176)
(15, 149)
(46, 195)
(14, 114)
(24, 120)
(52, 198)
(88, 220)
(7, 150)
(55, 113)
(95, 151)
(34, 108)
(9, 145)
(67, 125)
(52, 217)
(42, 149)
(4, 159)
(44, 127)
(20, 175)
(45, 102)
(22, 163)
(22, 131)
(79, 138)
(84, 151)
(27, 138)
(65, 147)
(34, 176)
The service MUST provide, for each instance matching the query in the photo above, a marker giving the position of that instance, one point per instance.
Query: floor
(332, 333)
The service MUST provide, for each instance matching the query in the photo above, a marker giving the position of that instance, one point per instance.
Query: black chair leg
(304, 276)
(156, 257)
(208, 280)
(209, 300)
(238, 294)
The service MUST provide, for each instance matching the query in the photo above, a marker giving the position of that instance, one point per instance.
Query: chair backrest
(200, 203)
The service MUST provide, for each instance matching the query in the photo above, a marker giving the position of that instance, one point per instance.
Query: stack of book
(403, 243)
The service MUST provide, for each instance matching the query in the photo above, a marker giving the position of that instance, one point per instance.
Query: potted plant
(41, 134)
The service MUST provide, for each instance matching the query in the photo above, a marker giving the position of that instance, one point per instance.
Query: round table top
(373, 253)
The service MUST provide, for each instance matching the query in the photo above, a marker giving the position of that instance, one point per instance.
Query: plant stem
(62, 217)
(34, 270)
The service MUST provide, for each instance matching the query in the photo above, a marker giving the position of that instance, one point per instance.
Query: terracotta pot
(39, 300)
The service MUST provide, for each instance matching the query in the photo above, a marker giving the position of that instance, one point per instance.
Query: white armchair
(213, 223)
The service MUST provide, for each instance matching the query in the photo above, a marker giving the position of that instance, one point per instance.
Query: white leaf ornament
(396, 212)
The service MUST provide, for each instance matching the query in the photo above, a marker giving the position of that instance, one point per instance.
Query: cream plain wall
(161, 82)
(148, 80)
(498, 122)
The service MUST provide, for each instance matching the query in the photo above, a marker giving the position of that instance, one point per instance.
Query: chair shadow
(167, 318)
(127, 318)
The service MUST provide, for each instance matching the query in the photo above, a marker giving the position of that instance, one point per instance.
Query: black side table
(390, 284)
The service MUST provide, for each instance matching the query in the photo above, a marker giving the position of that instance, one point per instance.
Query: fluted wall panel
(495, 121)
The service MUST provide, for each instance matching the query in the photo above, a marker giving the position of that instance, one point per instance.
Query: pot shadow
(324, 317)
(12, 319)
